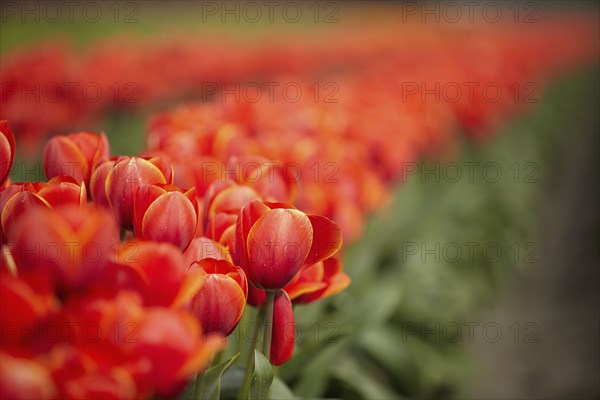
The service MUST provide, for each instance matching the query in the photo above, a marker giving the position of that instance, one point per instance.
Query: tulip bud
(75, 155)
(163, 213)
(220, 302)
(282, 339)
(7, 151)
(124, 179)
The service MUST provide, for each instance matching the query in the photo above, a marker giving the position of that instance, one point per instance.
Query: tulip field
(204, 200)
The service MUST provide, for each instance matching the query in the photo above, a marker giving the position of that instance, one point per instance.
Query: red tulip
(125, 178)
(201, 248)
(282, 340)
(175, 347)
(222, 204)
(71, 243)
(75, 155)
(7, 151)
(156, 271)
(274, 240)
(264, 176)
(20, 197)
(220, 302)
(163, 213)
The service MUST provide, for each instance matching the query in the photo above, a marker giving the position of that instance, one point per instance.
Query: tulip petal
(278, 244)
(144, 197)
(219, 304)
(170, 218)
(327, 239)
(7, 150)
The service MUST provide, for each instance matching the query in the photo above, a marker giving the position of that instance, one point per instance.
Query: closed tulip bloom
(75, 155)
(220, 302)
(163, 213)
(126, 176)
(282, 340)
(274, 240)
(7, 151)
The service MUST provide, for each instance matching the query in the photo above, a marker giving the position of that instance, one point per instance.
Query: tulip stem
(268, 329)
(199, 385)
(245, 392)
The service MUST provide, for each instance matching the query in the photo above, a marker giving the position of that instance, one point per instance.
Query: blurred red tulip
(75, 155)
(124, 179)
(220, 302)
(7, 151)
(22, 378)
(222, 204)
(156, 271)
(71, 243)
(163, 213)
(282, 340)
(263, 175)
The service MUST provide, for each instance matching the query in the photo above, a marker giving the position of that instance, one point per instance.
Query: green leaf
(281, 391)
(262, 378)
(211, 388)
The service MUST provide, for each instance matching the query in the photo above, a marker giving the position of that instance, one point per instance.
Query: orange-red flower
(75, 155)
(7, 151)
(71, 243)
(156, 271)
(164, 213)
(124, 179)
(220, 302)
(274, 240)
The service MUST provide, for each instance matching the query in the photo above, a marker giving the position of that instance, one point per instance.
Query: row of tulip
(54, 87)
(117, 283)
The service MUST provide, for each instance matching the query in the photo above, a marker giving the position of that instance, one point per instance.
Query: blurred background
(476, 268)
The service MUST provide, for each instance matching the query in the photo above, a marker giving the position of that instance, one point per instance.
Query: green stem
(268, 327)
(199, 385)
(245, 392)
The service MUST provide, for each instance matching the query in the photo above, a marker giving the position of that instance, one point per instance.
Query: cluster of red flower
(69, 87)
(117, 283)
